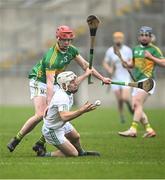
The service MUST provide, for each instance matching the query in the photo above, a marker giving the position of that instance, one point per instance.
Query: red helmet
(64, 32)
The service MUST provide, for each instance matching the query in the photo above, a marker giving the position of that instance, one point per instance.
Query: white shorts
(56, 136)
(118, 87)
(38, 88)
(135, 91)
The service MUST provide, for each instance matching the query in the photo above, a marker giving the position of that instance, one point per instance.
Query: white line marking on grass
(2, 163)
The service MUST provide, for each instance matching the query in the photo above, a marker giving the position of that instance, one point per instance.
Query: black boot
(40, 149)
(12, 144)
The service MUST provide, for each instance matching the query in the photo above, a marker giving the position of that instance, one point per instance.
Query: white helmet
(65, 78)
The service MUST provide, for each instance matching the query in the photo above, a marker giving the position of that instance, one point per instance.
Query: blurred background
(27, 30)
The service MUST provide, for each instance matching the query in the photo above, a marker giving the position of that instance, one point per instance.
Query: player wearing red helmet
(64, 36)
(43, 84)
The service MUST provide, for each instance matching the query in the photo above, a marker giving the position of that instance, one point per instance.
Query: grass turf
(121, 157)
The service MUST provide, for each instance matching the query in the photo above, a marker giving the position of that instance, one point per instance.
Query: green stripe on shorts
(54, 137)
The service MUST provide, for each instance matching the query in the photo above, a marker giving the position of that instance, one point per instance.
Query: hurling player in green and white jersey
(145, 57)
(42, 81)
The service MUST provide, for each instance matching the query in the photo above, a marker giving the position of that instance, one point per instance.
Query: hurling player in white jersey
(57, 128)
(113, 65)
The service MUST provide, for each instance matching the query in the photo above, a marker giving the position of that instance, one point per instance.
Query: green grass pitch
(120, 157)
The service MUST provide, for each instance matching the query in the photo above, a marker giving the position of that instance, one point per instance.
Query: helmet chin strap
(61, 49)
(66, 90)
(66, 87)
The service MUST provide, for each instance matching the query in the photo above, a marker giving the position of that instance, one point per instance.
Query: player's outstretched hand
(88, 107)
(106, 80)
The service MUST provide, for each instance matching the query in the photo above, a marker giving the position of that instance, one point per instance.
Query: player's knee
(136, 104)
(77, 136)
(39, 115)
(73, 154)
(125, 99)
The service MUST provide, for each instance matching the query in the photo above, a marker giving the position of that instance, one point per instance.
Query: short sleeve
(158, 53)
(63, 104)
(61, 101)
(47, 59)
(63, 107)
(75, 51)
(130, 54)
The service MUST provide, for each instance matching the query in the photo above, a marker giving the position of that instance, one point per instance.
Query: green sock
(41, 140)
(134, 125)
(19, 136)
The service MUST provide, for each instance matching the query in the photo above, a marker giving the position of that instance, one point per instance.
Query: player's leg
(149, 130)
(118, 93)
(40, 105)
(74, 137)
(65, 150)
(58, 139)
(39, 146)
(38, 95)
(138, 100)
(126, 98)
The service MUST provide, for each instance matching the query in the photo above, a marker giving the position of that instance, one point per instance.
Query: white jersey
(120, 74)
(61, 101)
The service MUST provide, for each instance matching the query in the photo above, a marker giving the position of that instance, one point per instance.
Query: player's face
(73, 86)
(64, 44)
(118, 41)
(144, 39)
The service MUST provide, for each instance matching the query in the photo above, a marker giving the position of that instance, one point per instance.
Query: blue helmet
(145, 30)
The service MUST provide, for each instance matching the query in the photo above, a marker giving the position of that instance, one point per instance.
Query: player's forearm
(81, 78)
(50, 85)
(49, 93)
(68, 116)
(158, 61)
(130, 64)
(97, 74)
(85, 65)
(108, 68)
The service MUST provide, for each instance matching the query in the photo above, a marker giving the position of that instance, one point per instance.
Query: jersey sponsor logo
(140, 52)
(42, 91)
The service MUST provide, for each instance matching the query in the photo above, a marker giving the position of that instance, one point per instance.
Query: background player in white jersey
(57, 129)
(112, 64)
